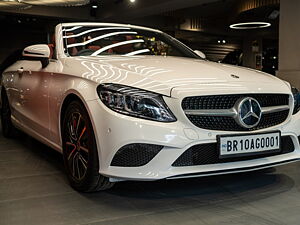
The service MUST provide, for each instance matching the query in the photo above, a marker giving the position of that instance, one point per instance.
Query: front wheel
(80, 151)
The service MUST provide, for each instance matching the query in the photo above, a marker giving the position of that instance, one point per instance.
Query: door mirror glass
(201, 54)
(38, 52)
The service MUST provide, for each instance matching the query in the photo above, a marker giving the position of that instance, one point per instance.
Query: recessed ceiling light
(274, 15)
(132, 1)
(249, 25)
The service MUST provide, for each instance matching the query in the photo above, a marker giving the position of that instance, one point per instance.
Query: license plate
(243, 145)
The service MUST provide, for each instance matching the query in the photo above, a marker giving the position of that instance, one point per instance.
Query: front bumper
(113, 131)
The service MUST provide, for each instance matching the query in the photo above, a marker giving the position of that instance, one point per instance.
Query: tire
(8, 129)
(80, 151)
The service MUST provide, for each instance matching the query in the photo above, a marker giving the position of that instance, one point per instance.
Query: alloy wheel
(76, 145)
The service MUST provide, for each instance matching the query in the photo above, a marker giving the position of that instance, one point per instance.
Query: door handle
(20, 71)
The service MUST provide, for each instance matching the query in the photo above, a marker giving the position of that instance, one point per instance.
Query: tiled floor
(34, 190)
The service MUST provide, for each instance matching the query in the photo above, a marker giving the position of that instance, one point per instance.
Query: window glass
(99, 41)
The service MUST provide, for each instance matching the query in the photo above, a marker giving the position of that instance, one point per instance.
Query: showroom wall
(18, 32)
(289, 42)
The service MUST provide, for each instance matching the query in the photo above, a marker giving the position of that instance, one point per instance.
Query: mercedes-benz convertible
(123, 102)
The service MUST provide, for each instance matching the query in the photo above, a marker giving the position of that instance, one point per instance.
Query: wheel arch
(99, 181)
(74, 96)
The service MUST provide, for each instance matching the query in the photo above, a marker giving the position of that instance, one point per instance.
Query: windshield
(118, 40)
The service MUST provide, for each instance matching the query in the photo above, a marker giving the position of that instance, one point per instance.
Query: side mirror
(201, 54)
(38, 52)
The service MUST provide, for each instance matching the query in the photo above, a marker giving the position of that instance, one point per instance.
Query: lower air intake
(205, 154)
(134, 155)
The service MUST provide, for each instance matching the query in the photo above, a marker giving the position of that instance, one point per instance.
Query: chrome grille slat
(273, 109)
(232, 112)
(212, 112)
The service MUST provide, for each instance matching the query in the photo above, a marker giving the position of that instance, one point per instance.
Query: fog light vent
(134, 155)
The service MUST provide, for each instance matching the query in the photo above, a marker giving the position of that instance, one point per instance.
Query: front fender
(62, 86)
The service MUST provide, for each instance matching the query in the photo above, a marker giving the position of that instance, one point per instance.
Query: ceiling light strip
(249, 25)
(94, 30)
(137, 52)
(116, 45)
(99, 38)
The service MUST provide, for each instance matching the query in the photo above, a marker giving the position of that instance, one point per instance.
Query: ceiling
(201, 24)
(210, 16)
(197, 20)
(107, 10)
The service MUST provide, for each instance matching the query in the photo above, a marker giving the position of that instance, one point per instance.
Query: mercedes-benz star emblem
(249, 112)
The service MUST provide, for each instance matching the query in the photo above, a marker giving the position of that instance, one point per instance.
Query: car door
(31, 108)
(9, 81)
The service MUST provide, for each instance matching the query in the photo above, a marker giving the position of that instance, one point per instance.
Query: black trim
(44, 61)
(233, 170)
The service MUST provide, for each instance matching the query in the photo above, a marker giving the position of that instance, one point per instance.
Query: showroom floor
(34, 190)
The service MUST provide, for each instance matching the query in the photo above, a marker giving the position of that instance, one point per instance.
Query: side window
(118, 40)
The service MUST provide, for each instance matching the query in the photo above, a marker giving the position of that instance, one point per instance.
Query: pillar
(289, 42)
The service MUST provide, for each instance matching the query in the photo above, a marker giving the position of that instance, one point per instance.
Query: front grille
(134, 155)
(227, 102)
(205, 154)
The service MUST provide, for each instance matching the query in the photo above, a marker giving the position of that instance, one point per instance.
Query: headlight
(296, 95)
(135, 102)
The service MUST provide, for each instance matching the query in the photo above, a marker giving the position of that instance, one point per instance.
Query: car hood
(164, 74)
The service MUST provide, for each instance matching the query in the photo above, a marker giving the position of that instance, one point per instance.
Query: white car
(123, 102)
